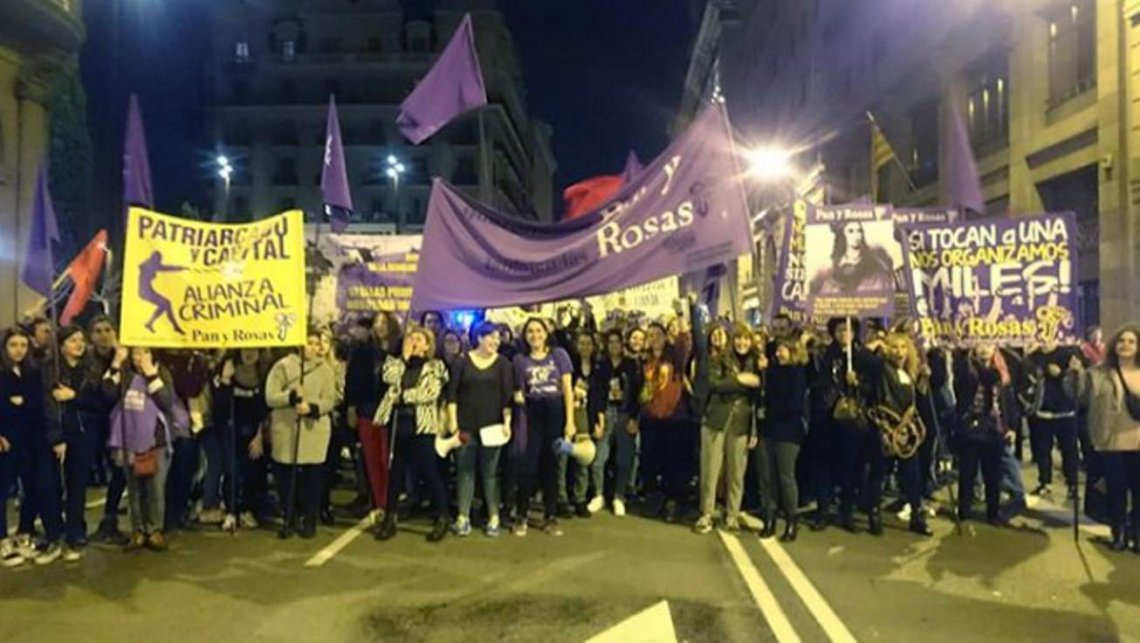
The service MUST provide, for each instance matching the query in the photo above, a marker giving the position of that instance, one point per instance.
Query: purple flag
(453, 86)
(683, 213)
(961, 186)
(334, 175)
(39, 260)
(136, 165)
(632, 168)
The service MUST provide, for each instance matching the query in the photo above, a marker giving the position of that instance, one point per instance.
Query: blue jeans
(1011, 475)
(618, 442)
(467, 458)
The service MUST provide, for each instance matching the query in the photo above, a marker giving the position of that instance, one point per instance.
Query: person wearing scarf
(140, 429)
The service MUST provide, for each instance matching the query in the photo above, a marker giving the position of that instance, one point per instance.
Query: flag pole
(484, 158)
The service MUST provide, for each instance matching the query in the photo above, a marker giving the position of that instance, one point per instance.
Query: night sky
(606, 74)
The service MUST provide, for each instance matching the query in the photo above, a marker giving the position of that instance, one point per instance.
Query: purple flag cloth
(39, 259)
(453, 86)
(633, 167)
(685, 212)
(136, 164)
(962, 187)
(334, 174)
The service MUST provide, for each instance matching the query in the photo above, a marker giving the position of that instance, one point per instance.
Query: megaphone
(581, 448)
(445, 445)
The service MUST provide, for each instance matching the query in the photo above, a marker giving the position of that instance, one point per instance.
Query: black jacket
(629, 382)
(364, 387)
(24, 423)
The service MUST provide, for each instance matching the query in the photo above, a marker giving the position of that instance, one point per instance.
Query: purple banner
(789, 287)
(850, 260)
(684, 212)
(384, 283)
(1009, 280)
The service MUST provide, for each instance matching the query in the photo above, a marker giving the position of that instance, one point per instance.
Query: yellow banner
(188, 284)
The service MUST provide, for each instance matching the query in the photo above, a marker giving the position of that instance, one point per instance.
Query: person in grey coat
(301, 393)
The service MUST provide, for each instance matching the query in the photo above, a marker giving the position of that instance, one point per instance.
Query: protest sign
(190, 284)
(1008, 280)
(849, 260)
(790, 291)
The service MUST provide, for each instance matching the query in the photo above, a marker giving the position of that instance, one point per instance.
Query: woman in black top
(25, 451)
(239, 412)
(782, 433)
(981, 427)
(479, 396)
(1055, 418)
(589, 417)
(619, 379)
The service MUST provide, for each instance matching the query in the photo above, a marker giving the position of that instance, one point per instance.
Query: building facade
(275, 64)
(38, 40)
(1046, 88)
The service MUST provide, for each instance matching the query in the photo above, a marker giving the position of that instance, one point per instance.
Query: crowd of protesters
(690, 419)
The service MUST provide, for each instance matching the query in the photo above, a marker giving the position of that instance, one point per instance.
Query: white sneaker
(248, 520)
(596, 504)
(72, 554)
(9, 555)
(619, 507)
(230, 523)
(49, 554)
(904, 513)
(25, 547)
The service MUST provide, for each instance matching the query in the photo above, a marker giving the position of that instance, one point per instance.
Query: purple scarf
(134, 419)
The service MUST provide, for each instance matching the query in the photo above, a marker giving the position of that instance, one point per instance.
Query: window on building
(239, 91)
(289, 50)
(241, 51)
(987, 100)
(285, 172)
(924, 143)
(465, 173)
(1072, 51)
(284, 133)
(331, 45)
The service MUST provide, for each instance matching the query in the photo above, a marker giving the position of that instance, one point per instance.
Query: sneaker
(904, 513)
(596, 505)
(519, 528)
(248, 521)
(619, 507)
(462, 527)
(136, 541)
(49, 554)
(24, 546)
(156, 542)
(732, 525)
(9, 555)
(551, 527)
(704, 525)
(1042, 491)
(230, 523)
(670, 512)
(211, 516)
(72, 554)
(564, 511)
(438, 531)
(493, 528)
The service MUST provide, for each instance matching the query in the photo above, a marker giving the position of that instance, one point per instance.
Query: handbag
(1131, 400)
(851, 411)
(145, 464)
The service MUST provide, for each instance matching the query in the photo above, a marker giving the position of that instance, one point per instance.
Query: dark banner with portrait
(851, 255)
(1009, 280)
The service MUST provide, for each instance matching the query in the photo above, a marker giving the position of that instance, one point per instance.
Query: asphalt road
(1028, 583)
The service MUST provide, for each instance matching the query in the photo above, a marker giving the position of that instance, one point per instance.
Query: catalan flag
(881, 154)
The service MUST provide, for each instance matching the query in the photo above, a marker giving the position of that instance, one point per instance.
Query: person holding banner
(140, 438)
(663, 419)
(544, 383)
(301, 401)
(410, 408)
(1112, 392)
(364, 388)
(479, 410)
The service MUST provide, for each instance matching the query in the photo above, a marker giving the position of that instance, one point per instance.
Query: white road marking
(651, 625)
(326, 554)
(819, 608)
(781, 627)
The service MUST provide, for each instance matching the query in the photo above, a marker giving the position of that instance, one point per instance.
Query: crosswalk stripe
(761, 593)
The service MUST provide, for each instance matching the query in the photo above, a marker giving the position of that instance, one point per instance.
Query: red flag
(84, 272)
(589, 195)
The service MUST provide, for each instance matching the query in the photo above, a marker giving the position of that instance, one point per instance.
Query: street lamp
(769, 163)
(394, 170)
(225, 173)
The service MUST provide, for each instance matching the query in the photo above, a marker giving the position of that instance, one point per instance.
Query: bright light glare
(400, 168)
(769, 163)
(392, 173)
(223, 161)
(391, 160)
